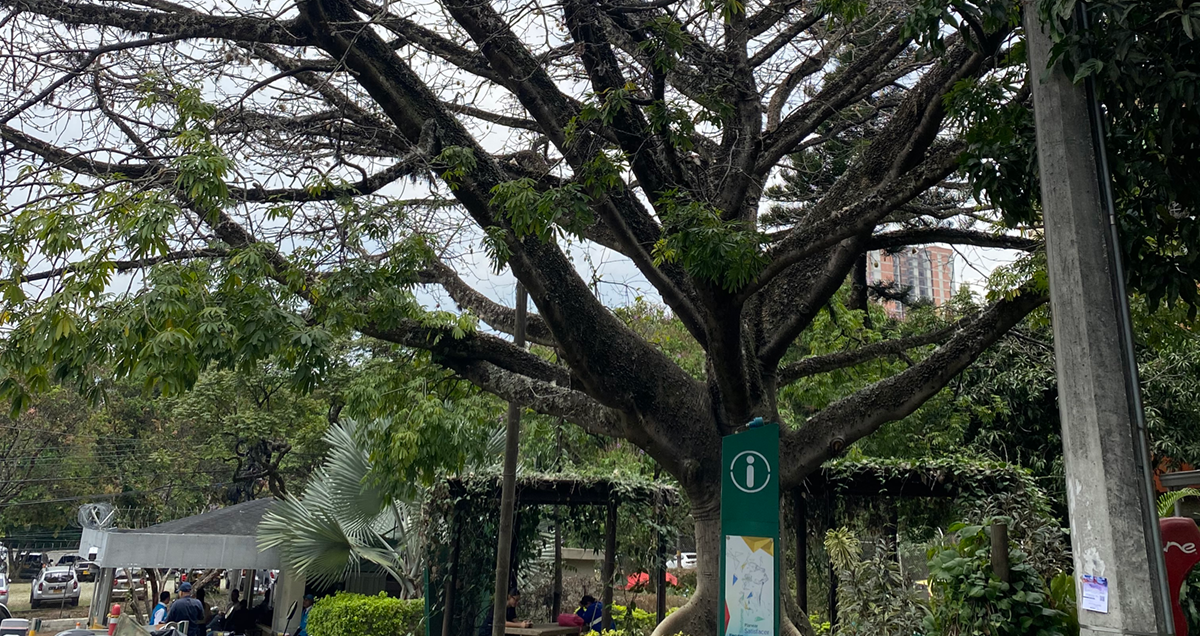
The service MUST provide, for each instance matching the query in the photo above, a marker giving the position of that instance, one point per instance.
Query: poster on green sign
(749, 585)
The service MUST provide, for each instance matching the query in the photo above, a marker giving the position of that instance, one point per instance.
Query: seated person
(510, 614)
(591, 611)
(240, 620)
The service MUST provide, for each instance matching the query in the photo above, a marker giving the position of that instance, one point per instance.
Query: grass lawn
(18, 603)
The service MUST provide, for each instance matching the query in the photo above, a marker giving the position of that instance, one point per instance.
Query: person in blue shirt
(187, 608)
(592, 613)
(308, 603)
(159, 615)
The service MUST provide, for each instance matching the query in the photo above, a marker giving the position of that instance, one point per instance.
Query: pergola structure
(897, 479)
(457, 499)
(225, 538)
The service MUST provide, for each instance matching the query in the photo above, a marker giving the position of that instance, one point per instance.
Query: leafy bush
(967, 598)
(348, 614)
(874, 596)
(685, 581)
(633, 621)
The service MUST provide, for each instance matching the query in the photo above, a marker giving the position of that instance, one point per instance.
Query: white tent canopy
(223, 539)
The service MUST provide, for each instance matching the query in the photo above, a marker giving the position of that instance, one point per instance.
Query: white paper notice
(1095, 593)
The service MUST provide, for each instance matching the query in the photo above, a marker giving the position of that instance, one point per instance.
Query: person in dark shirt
(241, 620)
(510, 614)
(186, 608)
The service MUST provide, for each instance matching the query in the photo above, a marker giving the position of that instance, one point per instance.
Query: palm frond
(342, 522)
(1167, 501)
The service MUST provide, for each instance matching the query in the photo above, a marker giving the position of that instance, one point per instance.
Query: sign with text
(1181, 552)
(750, 533)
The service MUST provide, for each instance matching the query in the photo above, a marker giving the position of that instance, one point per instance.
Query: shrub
(967, 597)
(348, 614)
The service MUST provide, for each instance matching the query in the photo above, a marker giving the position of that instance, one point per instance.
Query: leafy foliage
(695, 235)
(969, 599)
(1145, 57)
(342, 521)
(874, 596)
(346, 614)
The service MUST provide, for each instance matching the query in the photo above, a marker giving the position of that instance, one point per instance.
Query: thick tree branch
(471, 348)
(183, 25)
(851, 418)
(787, 36)
(794, 371)
(494, 314)
(544, 397)
(954, 236)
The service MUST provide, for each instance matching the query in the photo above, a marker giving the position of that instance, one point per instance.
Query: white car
(56, 585)
(3, 590)
(683, 560)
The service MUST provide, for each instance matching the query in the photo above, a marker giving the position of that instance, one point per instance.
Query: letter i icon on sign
(750, 472)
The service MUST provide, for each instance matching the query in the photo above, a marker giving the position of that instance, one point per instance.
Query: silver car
(56, 585)
(3, 590)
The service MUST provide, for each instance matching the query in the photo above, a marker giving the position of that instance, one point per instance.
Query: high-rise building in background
(927, 271)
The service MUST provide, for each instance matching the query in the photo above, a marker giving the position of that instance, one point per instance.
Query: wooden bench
(547, 629)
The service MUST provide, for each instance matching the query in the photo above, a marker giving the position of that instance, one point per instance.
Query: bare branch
(180, 25)
(126, 266)
(544, 397)
(794, 371)
(494, 314)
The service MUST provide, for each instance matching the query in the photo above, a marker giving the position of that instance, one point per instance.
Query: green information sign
(750, 533)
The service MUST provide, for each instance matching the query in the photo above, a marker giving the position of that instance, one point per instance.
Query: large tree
(209, 183)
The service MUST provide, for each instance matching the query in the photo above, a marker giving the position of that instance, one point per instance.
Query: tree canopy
(196, 185)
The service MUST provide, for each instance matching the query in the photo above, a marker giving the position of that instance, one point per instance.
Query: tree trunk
(700, 614)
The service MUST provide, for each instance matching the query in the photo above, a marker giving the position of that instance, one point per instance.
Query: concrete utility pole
(1114, 527)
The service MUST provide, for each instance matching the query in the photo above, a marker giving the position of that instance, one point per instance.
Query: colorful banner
(749, 586)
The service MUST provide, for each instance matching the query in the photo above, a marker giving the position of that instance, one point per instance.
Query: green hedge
(348, 614)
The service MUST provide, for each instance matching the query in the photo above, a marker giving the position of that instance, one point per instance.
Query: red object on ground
(1181, 551)
(641, 580)
(113, 615)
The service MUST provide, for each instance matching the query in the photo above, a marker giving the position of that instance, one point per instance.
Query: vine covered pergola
(461, 517)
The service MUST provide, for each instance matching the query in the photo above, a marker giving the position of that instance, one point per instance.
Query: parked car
(685, 560)
(125, 580)
(54, 584)
(4, 613)
(30, 564)
(3, 590)
(84, 570)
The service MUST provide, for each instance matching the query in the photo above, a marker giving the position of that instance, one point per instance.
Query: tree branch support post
(508, 488)
(609, 569)
(801, 551)
(1000, 551)
(660, 580)
(1114, 529)
(556, 596)
(452, 575)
